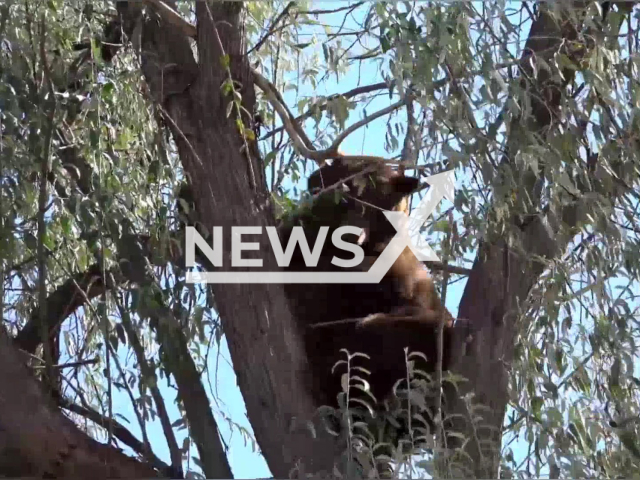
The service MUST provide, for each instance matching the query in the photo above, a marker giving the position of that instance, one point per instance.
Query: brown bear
(379, 320)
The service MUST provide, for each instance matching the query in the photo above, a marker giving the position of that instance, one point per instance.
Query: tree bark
(37, 440)
(79, 290)
(230, 190)
(504, 271)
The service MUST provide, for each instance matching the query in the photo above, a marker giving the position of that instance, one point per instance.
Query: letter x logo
(442, 185)
(408, 228)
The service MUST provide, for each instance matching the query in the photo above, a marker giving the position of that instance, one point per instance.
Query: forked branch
(301, 142)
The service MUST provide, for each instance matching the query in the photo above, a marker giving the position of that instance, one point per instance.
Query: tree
(543, 135)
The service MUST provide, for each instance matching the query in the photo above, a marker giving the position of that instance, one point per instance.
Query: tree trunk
(230, 190)
(504, 271)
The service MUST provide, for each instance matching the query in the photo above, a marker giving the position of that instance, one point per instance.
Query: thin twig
(82, 363)
(146, 452)
(148, 374)
(351, 93)
(272, 28)
(335, 10)
(300, 140)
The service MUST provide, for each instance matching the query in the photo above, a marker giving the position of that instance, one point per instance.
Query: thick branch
(502, 276)
(37, 440)
(135, 255)
(119, 431)
(178, 361)
(83, 287)
(65, 300)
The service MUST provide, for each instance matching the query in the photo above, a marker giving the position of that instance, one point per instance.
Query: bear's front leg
(404, 313)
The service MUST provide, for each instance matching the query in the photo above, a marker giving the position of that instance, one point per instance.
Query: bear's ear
(404, 185)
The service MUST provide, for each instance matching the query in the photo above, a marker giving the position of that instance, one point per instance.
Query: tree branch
(350, 94)
(37, 440)
(149, 374)
(503, 275)
(172, 17)
(272, 28)
(76, 292)
(334, 10)
(64, 300)
(119, 431)
(440, 267)
(135, 253)
(301, 142)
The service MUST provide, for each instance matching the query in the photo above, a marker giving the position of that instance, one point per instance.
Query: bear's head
(364, 191)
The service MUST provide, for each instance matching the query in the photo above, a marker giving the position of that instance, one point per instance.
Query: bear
(378, 320)
(390, 192)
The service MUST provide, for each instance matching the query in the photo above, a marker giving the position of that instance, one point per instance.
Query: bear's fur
(403, 310)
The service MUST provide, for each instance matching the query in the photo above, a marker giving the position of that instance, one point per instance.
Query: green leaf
(536, 405)
(269, 157)
(385, 44)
